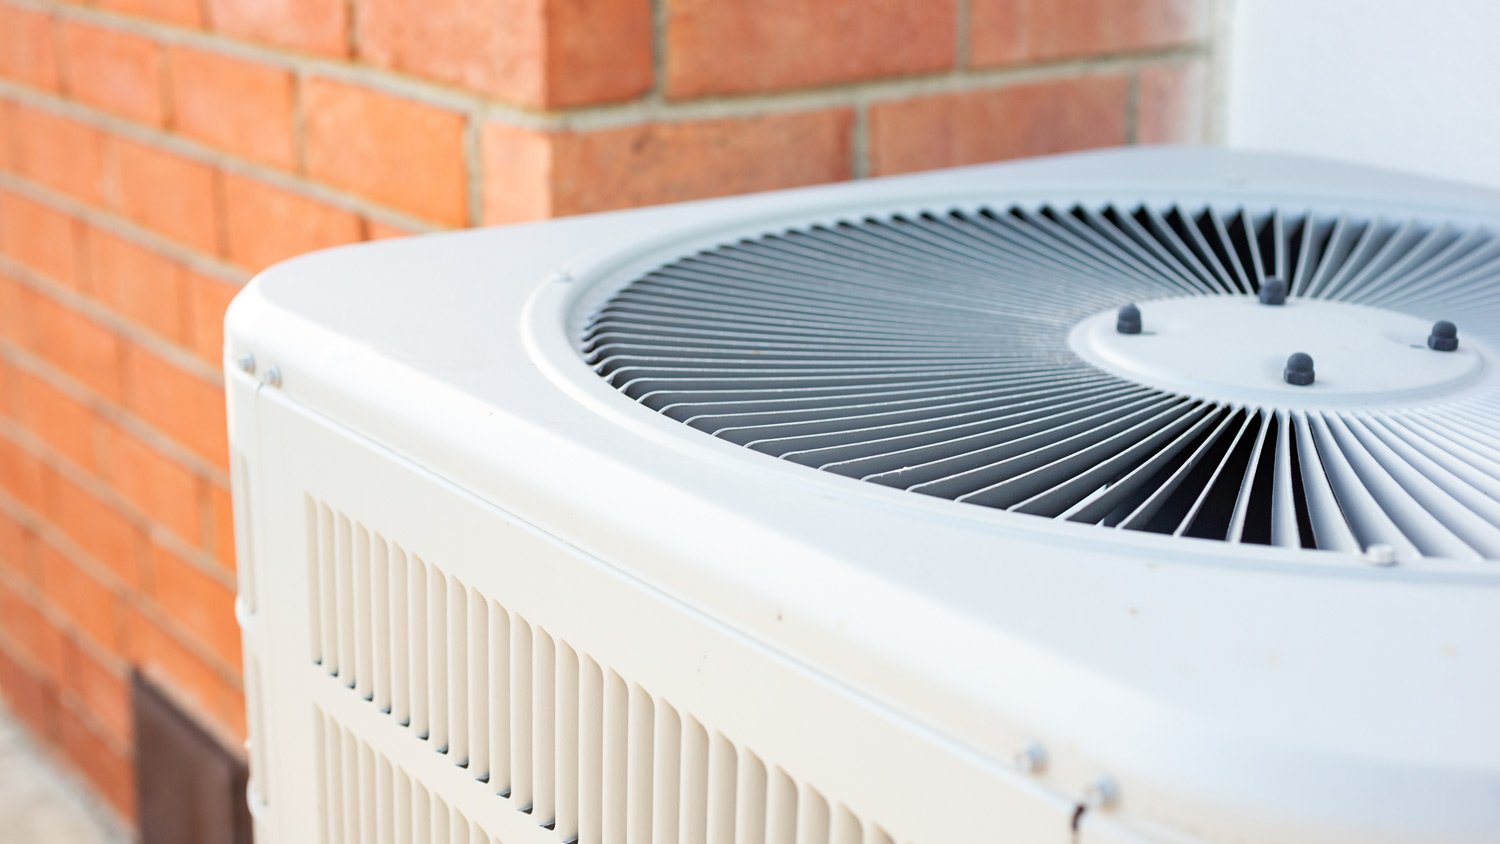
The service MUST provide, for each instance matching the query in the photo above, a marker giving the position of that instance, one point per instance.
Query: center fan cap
(1236, 349)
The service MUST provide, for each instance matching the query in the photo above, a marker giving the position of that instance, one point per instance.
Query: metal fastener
(246, 363)
(1128, 320)
(1380, 554)
(1444, 336)
(1299, 369)
(1031, 758)
(1273, 291)
(272, 378)
(1102, 793)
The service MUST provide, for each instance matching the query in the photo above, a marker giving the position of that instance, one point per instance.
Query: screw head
(272, 378)
(1380, 554)
(1128, 320)
(1102, 793)
(1444, 336)
(1299, 369)
(1273, 291)
(246, 363)
(1031, 758)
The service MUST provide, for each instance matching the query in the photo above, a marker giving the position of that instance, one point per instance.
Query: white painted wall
(1413, 85)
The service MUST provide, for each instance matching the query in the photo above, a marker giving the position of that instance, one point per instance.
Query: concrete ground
(42, 804)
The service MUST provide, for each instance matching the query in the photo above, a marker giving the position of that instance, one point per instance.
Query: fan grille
(929, 352)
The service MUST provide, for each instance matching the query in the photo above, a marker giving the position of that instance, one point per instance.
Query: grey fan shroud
(932, 353)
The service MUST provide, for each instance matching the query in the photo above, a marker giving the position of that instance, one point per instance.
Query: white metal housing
(486, 597)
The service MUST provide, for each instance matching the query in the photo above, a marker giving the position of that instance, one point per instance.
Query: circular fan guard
(930, 353)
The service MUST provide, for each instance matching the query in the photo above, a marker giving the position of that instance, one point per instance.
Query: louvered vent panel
(929, 352)
(366, 799)
(586, 752)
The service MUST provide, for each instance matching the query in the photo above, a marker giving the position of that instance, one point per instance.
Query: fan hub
(1235, 349)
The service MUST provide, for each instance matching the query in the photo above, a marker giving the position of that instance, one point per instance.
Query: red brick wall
(154, 153)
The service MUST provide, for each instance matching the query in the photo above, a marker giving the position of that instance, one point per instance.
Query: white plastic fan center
(1235, 349)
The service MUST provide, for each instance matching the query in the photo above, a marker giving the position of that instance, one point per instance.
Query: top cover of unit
(908, 433)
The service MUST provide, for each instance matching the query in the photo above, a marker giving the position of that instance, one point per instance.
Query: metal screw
(1299, 369)
(1273, 291)
(1380, 554)
(246, 363)
(1128, 320)
(1102, 793)
(272, 378)
(1031, 758)
(1444, 336)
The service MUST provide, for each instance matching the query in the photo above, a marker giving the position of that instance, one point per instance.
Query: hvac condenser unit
(1139, 496)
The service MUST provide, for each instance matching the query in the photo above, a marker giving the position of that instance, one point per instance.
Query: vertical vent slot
(314, 552)
(781, 808)
(244, 550)
(364, 604)
(750, 786)
(568, 698)
(812, 817)
(330, 771)
(844, 828)
(498, 703)
(385, 810)
(543, 731)
(616, 763)
(416, 630)
(344, 599)
(640, 748)
(326, 592)
(259, 741)
(667, 788)
(479, 684)
(437, 657)
(692, 824)
(381, 630)
(723, 763)
(520, 713)
(591, 753)
(457, 617)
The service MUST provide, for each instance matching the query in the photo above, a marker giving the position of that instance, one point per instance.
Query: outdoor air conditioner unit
(520, 564)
